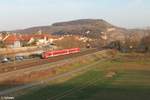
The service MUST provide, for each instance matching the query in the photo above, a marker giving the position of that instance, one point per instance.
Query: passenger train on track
(48, 54)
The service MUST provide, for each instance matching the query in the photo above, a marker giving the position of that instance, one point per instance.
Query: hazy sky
(16, 14)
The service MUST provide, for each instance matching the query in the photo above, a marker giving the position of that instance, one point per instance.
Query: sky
(20, 14)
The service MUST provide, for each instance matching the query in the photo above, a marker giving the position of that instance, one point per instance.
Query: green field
(124, 77)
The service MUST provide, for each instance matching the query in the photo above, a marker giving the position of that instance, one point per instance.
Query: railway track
(65, 93)
(36, 62)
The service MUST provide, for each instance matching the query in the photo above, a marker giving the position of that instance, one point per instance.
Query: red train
(48, 54)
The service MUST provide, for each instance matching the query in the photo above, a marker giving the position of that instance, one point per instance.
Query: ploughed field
(123, 77)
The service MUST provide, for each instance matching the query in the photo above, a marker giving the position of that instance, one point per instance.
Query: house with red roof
(17, 40)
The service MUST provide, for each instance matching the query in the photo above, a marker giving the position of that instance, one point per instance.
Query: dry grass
(114, 79)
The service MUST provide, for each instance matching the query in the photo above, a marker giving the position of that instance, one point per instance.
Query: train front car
(44, 55)
(47, 54)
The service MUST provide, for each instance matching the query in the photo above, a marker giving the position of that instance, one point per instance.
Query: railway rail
(26, 86)
(37, 62)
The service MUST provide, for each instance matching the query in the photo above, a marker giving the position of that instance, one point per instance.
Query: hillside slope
(93, 28)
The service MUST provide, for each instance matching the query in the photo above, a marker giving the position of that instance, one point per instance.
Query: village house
(83, 39)
(17, 40)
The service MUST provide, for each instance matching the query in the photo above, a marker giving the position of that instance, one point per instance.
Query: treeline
(131, 44)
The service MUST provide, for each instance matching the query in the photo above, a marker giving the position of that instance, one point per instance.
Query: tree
(145, 43)
(131, 42)
(115, 45)
(69, 42)
(2, 44)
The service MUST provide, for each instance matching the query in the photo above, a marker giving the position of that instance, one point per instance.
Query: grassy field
(125, 77)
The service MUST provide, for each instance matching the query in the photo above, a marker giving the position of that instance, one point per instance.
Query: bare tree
(145, 43)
